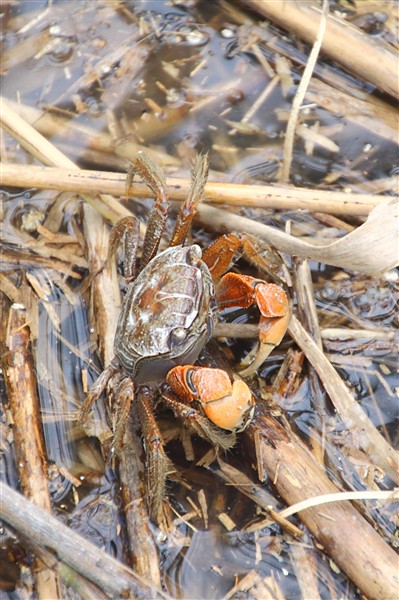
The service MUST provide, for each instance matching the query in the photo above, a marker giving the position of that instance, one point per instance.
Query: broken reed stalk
(42, 529)
(27, 259)
(347, 538)
(258, 495)
(369, 58)
(307, 313)
(19, 373)
(231, 194)
(306, 302)
(105, 281)
(106, 297)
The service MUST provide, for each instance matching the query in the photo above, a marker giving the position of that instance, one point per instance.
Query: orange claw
(242, 291)
(228, 405)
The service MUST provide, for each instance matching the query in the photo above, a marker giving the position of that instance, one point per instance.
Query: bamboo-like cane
(216, 193)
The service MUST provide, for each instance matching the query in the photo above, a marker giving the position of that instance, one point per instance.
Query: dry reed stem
(308, 316)
(44, 530)
(27, 259)
(367, 57)
(343, 333)
(21, 384)
(304, 562)
(385, 496)
(306, 302)
(232, 194)
(105, 293)
(259, 496)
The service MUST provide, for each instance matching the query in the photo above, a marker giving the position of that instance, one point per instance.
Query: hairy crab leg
(152, 175)
(159, 466)
(199, 176)
(242, 291)
(97, 389)
(219, 257)
(127, 231)
(121, 399)
(197, 422)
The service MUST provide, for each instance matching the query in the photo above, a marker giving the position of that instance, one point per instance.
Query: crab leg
(242, 291)
(219, 257)
(154, 178)
(236, 290)
(199, 175)
(96, 390)
(158, 465)
(126, 230)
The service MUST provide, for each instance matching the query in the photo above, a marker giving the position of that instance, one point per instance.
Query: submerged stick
(345, 535)
(20, 379)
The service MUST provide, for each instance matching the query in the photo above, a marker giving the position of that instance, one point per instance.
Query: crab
(167, 318)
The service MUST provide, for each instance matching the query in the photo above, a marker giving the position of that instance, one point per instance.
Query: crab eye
(195, 254)
(178, 335)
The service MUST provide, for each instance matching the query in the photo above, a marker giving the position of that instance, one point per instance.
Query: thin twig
(300, 94)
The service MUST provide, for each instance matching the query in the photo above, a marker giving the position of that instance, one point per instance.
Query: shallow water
(180, 78)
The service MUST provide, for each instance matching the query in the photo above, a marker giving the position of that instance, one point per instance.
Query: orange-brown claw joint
(229, 405)
(243, 291)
